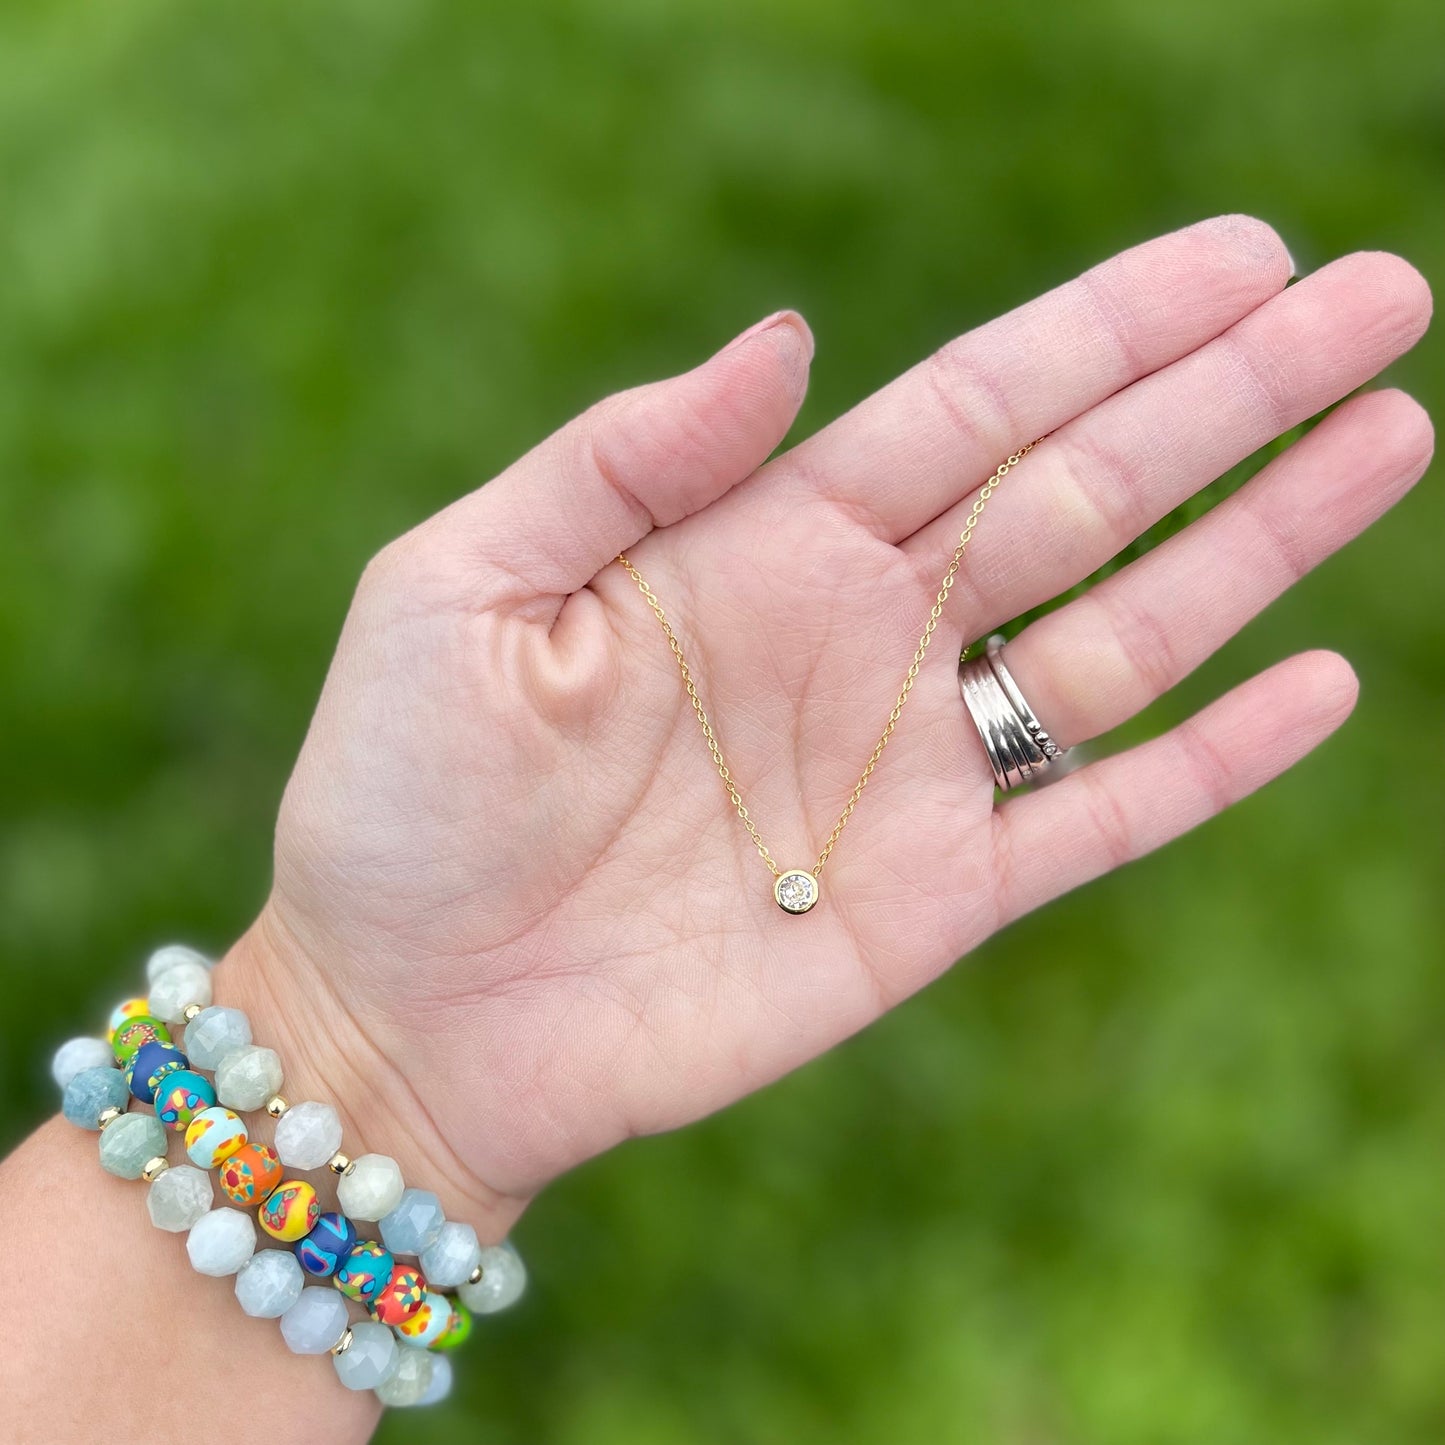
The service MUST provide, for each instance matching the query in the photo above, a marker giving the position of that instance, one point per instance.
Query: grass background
(1167, 1162)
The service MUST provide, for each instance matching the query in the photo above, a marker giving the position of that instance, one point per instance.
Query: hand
(515, 919)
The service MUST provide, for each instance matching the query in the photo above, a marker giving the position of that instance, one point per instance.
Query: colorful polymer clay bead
(213, 1135)
(249, 1174)
(401, 1296)
(132, 1008)
(290, 1211)
(182, 1095)
(331, 1240)
(362, 1273)
(134, 1034)
(428, 1323)
(458, 1330)
(150, 1064)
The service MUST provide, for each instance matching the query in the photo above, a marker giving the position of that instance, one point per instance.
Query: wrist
(327, 1055)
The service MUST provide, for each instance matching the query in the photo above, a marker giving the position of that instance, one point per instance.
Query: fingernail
(778, 318)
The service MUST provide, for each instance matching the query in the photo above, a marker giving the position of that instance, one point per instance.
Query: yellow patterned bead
(290, 1211)
(213, 1136)
(132, 1008)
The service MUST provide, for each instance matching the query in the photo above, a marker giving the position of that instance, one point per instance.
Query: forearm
(117, 1317)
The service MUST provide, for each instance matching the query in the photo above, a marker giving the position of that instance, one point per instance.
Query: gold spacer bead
(340, 1164)
(475, 1277)
(343, 1344)
(155, 1168)
(190, 1011)
(108, 1116)
(277, 1105)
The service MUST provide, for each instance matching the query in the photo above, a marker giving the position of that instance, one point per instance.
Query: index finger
(916, 447)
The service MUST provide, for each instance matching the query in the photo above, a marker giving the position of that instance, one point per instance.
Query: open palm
(505, 857)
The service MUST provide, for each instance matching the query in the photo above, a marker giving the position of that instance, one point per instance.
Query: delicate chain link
(945, 587)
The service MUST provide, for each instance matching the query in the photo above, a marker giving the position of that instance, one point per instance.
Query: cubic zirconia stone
(797, 891)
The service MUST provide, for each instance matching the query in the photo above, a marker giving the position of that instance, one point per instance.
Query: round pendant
(796, 890)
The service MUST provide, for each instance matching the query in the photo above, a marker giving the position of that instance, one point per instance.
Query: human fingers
(914, 448)
(1092, 664)
(1101, 480)
(641, 459)
(1116, 810)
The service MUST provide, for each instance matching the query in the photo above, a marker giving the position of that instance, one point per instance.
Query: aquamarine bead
(173, 991)
(452, 1256)
(410, 1378)
(315, 1322)
(414, 1224)
(221, 1242)
(127, 1144)
(370, 1357)
(214, 1033)
(92, 1090)
(504, 1278)
(77, 1054)
(269, 1283)
(441, 1381)
(179, 1198)
(165, 959)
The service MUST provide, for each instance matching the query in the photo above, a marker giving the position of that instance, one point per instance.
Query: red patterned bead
(400, 1297)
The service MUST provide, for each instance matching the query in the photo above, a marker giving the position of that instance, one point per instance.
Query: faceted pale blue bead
(370, 1357)
(173, 991)
(410, 1378)
(77, 1054)
(92, 1090)
(128, 1143)
(441, 1381)
(221, 1242)
(165, 959)
(214, 1033)
(504, 1278)
(316, 1321)
(414, 1224)
(269, 1283)
(452, 1256)
(179, 1198)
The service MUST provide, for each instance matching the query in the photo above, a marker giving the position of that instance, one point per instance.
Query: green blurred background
(1166, 1163)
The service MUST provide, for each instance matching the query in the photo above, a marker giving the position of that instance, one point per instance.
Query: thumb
(641, 459)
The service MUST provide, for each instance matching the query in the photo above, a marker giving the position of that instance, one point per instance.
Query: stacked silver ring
(1019, 750)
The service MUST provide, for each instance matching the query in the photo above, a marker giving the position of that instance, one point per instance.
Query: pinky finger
(1116, 810)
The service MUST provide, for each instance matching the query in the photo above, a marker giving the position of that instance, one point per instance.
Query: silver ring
(1018, 747)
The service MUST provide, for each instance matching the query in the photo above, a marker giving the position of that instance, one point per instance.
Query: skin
(514, 920)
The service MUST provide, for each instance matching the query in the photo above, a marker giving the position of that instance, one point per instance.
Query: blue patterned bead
(91, 1091)
(180, 1095)
(365, 1271)
(332, 1238)
(153, 1061)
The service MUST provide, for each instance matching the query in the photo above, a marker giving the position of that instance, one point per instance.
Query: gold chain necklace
(796, 890)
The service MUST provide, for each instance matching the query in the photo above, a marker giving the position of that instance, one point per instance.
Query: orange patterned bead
(400, 1297)
(250, 1174)
(290, 1211)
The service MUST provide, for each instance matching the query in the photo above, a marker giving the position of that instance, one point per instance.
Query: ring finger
(1100, 659)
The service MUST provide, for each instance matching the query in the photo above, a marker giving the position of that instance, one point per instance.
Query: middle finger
(1104, 478)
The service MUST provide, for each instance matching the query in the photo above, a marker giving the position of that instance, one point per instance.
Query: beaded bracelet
(414, 1311)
